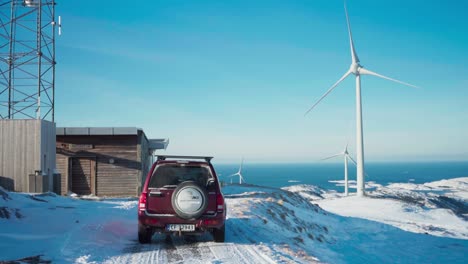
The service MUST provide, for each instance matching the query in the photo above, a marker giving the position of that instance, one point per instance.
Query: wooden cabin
(104, 161)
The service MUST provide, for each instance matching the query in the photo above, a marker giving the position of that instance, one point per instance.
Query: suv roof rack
(164, 157)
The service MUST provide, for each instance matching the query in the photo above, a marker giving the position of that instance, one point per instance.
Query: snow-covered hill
(408, 224)
(438, 208)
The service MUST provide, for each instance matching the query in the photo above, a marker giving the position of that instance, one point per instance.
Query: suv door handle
(156, 194)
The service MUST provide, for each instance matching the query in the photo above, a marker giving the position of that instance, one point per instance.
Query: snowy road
(191, 250)
(244, 244)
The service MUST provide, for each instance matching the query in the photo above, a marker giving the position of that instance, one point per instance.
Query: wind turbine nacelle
(354, 68)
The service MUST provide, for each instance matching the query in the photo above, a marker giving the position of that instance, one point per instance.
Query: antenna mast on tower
(27, 59)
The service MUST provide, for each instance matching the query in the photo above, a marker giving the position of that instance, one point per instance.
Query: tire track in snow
(206, 251)
(144, 258)
(159, 251)
(260, 253)
(228, 253)
(139, 254)
(186, 249)
(172, 254)
(176, 250)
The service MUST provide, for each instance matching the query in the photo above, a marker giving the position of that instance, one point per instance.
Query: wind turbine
(357, 69)
(238, 173)
(346, 156)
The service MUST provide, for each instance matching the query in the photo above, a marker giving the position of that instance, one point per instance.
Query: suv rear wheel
(219, 234)
(144, 235)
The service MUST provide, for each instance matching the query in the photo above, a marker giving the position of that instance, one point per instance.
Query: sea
(321, 174)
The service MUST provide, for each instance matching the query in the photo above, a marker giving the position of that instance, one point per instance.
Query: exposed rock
(7, 213)
(29, 260)
(4, 194)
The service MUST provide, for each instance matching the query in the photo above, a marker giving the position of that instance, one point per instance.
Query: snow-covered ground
(438, 208)
(399, 223)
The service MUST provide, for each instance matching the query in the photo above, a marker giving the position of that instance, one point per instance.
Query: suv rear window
(173, 174)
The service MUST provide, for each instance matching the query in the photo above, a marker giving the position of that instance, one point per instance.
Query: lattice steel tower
(27, 59)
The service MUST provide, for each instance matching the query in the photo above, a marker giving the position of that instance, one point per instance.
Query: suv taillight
(142, 202)
(220, 202)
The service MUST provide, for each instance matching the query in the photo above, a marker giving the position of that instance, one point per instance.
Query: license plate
(178, 227)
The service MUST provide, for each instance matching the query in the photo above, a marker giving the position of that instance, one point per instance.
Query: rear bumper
(160, 221)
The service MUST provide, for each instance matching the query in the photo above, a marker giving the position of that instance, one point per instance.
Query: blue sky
(234, 78)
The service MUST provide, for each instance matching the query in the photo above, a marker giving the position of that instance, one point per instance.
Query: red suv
(181, 195)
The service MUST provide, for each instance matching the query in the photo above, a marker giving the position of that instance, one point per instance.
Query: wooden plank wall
(62, 168)
(20, 146)
(144, 157)
(117, 165)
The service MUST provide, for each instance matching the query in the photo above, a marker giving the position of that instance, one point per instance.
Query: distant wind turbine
(357, 69)
(346, 156)
(238, 173)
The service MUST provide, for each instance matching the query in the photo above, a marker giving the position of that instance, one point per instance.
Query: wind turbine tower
(346, 156)
(239, 173)
(357, 69)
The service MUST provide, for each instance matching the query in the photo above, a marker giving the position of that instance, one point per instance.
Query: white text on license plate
(178, 227)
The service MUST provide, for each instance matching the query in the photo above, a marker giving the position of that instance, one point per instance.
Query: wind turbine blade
(367, 72)
(240, 175)
(336, 155)
(232, 175)
(355, 163)
(354, 56)
(242, 163)
(329, 91)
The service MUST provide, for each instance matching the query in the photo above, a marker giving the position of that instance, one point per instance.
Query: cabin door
(83, 175)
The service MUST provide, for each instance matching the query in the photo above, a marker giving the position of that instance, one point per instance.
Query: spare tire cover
(189, 200)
